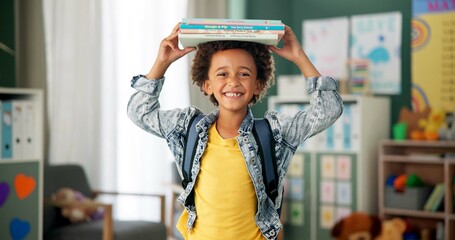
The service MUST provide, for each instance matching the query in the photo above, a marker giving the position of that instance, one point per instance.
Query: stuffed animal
(76, 213)
(357, 226)
(432, 124)
(392, 229)
(412, 118)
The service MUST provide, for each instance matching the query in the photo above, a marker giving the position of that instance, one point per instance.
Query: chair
(56, 227)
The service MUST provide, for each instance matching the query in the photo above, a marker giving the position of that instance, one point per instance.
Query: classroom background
(65, 71)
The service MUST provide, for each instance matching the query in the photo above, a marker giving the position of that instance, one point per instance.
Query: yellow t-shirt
(224, 195)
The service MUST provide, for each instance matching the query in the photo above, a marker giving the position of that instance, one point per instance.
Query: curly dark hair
(263, 59)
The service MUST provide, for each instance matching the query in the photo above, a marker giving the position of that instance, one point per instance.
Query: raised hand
(293, 51)
(168, 53)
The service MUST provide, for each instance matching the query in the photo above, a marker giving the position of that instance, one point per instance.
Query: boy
(230, 201)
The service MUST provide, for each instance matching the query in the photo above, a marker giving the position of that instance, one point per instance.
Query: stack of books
(199, 30)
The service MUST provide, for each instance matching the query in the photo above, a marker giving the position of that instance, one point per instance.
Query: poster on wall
(377, 38)
(325, 41)
(433, 55)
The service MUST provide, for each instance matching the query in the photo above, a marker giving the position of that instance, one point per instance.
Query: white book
(30, 149)
(18, 129)
(192, 40)
(355, 127)
(338, 134)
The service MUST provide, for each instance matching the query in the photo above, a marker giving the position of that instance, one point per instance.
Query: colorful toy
(400, 183)
(357, 226)
(411, 118)
(432, 124)
(75, 206)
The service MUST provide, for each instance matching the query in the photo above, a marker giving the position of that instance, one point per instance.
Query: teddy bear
(356, 226)
(411, 119)
(75, 206)
(392, 229)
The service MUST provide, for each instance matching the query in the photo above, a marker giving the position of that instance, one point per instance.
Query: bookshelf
(21, 163)
(433, 162)
(333, 173)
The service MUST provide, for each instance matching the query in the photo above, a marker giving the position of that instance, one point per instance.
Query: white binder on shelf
(338, 134)
(18, 129)
(30, 150)
(355, 127)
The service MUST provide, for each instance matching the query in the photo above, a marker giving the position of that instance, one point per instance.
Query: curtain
(93, 48)
(72, 40)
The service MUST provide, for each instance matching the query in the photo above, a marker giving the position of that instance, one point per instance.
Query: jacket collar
(207, 121)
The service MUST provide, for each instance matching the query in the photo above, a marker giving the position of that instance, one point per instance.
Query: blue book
(230, 21)
(347, 128)
(7, 129)
(231, 27)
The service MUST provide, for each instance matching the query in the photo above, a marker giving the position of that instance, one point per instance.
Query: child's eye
(244, 74)
(221, 74)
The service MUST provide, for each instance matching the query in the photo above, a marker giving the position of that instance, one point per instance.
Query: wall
(7, 44)
(31, 71)
(293, 12)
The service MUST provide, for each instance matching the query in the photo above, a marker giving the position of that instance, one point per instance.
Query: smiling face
(232, 79)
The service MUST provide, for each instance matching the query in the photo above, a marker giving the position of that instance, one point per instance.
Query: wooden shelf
(433, 162)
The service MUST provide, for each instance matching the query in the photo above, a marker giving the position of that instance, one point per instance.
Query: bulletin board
(337, 185)
(296, 211)
(19, 201)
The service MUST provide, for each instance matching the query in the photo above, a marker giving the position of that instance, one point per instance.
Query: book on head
(199, 30)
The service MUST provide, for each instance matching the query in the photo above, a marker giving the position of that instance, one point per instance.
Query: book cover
(237, 31)
(439, 198)
(191, 40)
(430, 199)
(231, 27)
(434, 197)
(230, 21)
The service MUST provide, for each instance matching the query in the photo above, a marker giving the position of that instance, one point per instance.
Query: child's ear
(207, 88)
(259, 87)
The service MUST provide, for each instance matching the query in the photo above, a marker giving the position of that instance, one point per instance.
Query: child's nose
(233, 81)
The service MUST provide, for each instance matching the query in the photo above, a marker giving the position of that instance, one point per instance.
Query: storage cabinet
(21, 163)
(333, 173)
(433, 162)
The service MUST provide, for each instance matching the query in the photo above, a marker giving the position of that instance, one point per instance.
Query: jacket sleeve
(144, 108)
(326, 106)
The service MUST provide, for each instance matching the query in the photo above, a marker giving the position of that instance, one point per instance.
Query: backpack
(263, 136)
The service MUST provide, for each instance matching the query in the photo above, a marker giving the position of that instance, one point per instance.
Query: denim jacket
(288, 131)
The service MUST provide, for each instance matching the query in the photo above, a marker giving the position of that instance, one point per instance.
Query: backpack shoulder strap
(191, 140)
(263, 135)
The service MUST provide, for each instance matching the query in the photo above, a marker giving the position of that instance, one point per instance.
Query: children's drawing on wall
(377, 38)
(326, 44)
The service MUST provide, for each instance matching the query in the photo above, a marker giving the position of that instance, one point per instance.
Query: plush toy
(432, 124)
(412, 118)
(392, 229)
(76, 213)
(357, 226)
